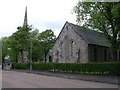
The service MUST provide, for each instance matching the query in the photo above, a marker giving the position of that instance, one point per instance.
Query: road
(0, 78)
(12, 79)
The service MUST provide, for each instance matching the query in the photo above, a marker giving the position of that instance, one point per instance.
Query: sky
(42, 14)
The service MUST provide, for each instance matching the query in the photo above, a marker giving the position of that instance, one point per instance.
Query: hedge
(83, 68)
(20, 65)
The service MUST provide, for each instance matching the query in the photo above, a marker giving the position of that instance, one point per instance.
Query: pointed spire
(25, 24)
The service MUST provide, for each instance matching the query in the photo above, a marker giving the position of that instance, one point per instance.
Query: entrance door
(50, 58)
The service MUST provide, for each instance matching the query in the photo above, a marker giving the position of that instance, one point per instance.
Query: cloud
(42, 14)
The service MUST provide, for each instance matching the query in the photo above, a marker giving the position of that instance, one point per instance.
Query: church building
(75, 44)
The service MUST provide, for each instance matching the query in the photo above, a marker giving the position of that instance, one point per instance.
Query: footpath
(95, 78)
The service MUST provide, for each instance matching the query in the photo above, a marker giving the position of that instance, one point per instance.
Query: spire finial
(25, 24)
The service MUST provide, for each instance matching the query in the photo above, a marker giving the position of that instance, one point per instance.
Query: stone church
(75, 44)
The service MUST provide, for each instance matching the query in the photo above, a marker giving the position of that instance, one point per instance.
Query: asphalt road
(12, 79)
(0, 79)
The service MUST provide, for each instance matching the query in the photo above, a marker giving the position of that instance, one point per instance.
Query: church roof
(91, 36)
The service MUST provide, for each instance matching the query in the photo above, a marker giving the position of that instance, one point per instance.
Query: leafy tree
(46, 40)
(14, 51)
(103, 17)
(24, 40)
(4, 44)
(35, 45)
(5, 49)
(20, 41)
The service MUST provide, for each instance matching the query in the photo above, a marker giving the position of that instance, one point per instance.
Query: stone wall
(69, 47)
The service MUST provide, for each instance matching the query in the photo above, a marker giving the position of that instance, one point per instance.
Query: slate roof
(91, 36)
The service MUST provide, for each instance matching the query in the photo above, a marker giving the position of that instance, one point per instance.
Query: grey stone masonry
(79, 45)
(69, 47)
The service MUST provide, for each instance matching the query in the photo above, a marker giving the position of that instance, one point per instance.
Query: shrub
(83, 68)
(20, 65)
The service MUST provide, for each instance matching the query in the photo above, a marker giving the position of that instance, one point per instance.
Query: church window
(66, 47)
(66, 37)
(72, 48)
(66, 27)
(61, 49)
(57, 56)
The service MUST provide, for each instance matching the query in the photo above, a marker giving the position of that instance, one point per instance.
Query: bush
(83, 68)
(20, 65)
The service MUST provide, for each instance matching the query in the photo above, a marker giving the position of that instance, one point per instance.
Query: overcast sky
(42, 14)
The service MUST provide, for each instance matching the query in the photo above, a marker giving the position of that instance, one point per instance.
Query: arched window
(61, 49)
(66, 27)
(66, 48)
(72, 47)
(66, 37)
(57, 56)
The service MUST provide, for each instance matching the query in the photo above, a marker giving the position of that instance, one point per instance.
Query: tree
(20, 41)
(4, 45)
(46, 40)
(14, 50)
(27, 40)
(103, 17)
(35, 45)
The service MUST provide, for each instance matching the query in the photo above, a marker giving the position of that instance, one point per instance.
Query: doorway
(50, 58)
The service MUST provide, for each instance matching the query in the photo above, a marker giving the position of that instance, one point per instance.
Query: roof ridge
(77, 31)
(90, 36)
(84, 28)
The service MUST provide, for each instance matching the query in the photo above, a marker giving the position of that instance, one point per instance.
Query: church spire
(25, 24)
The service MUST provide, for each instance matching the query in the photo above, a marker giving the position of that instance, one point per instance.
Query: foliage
(21, 65)
(19, 41)
(4, 46)
(22, 37)
(26, 39)
(103, 68)
(34, 44)
(103, 17)
(41, 43)
(46, 40)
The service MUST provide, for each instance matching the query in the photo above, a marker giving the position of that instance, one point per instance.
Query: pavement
(94, 78)
(19, 79)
